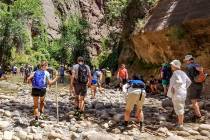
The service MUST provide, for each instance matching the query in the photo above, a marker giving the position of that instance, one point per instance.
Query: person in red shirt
(122, 75)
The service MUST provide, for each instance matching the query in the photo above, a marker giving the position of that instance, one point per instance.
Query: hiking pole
(56, 86)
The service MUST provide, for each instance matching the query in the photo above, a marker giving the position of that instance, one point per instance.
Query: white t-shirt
(127, 89)
(179, 82)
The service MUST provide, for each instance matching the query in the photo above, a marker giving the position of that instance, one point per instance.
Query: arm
(30, 78)
(118, 75)
(50, 82)
(126, 74)
(188, 81)
(72, 78)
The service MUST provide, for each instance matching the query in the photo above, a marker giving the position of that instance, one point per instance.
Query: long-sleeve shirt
(179, 83)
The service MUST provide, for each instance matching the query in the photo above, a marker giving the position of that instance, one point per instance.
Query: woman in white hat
(179, 83)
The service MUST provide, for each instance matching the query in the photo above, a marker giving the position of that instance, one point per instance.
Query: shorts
(179, 105)
(38, 92)
(165, 83)
(124, 81)
(134, 99)
(94, 82)
(80, 89)
(194, 91)
(107, 80)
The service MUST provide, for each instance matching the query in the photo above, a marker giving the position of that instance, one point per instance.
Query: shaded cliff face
(175, 28)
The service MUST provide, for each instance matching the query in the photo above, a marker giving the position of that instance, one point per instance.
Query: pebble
(7, 114)
(193, 132)
(22, 134)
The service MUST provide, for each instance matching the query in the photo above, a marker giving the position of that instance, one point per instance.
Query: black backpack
(82, 74)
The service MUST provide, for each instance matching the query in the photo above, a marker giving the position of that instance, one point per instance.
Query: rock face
(175, 28)
(51, 20)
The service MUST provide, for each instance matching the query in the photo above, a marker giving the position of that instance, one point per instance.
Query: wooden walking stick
(56, 86)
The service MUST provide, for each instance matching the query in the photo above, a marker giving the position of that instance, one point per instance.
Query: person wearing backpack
(177, 91)
(135, 96)
(80, 79)
(122, 75)
(62, 73)
(197, 76)
(166, 74)
(108, 76)
(96, 82)
(40, 79)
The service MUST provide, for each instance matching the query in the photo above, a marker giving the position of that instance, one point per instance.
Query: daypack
(82, 74)
(167, 72)
(136, 84)
(108, 74)
(39, 80)
(200, 75)
(62, 71)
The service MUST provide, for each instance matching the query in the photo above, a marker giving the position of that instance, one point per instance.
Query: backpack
(27, 71)
(62, 71)
(82, 74)
(200, 77)
(39, 80)
(136, 84)
(108, 74)
(167, 73)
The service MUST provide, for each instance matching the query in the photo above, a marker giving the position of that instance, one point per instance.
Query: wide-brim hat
(176, 63)
(188, 57)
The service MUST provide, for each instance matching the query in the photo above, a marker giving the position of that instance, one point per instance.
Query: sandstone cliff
(174, 29)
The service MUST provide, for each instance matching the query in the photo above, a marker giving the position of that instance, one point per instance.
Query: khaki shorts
(179, 105)
(134, 99)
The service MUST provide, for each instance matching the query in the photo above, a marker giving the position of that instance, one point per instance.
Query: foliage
(74, 39)
(115, 8)
(176, 33)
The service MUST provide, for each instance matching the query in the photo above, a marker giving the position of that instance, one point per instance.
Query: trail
(103, 116)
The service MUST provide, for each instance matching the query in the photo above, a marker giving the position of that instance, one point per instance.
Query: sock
(36, 118)
(141, 123)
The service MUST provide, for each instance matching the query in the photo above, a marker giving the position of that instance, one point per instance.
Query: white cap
(176, 63)
(188, 57)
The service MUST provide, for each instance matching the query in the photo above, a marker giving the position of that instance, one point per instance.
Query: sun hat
(188, 57)
(176, 63)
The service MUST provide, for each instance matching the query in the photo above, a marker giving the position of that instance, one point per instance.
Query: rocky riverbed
(103, 116)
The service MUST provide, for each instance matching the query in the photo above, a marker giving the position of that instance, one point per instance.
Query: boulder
(4, 124)
(7, 135)
(204, 127)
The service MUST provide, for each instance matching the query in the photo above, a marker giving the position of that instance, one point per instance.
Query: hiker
(195, 89)
(96, 82)
(153, 84)
(71, 89)
(179, 83)
(40, 79)
(50, 70)
(27, 73)
(81, 77)
(135, 96)
(2, 74)
(108, 76)
(166, 74)
(14, 70)
(21, 70)
(62, 73)
(122, 75)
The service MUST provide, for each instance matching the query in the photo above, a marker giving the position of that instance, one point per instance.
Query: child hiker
(40, 79)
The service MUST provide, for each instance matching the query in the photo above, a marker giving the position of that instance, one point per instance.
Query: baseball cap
(176, 63)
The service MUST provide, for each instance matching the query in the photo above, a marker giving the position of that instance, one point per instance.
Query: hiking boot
(43, 117)
(34, 123)
(179, 128)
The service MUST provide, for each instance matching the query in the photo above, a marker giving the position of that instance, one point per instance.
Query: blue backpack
(39, 80)
(136, 84)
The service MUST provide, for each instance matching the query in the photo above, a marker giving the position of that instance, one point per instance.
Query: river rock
(167, 103)
(118, 117)
(54, 135)
(183, 133)
(175, 138)
(30, 137)
(7, 114)
(92, 135)
(204, 127)
(4, 124)
(205, 133)
(7, 135)
(193, 132)
(38, 137)
(22, 134)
